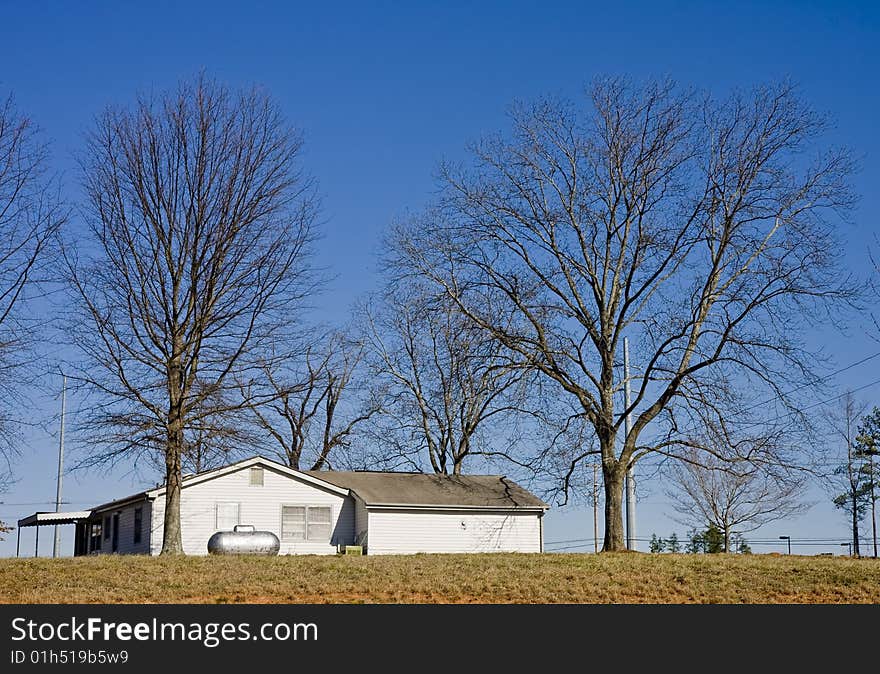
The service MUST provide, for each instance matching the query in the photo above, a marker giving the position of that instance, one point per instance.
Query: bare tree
(218, 432)
(442, 385)
(201, 224)
(733, 494)
(702, 229)
(5, 481)
(304, 410)
(850, 482)
(31, 214)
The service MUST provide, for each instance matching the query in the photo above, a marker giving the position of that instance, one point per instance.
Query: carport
(43, 519)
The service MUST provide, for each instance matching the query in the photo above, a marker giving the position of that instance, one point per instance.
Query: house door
(115, 545)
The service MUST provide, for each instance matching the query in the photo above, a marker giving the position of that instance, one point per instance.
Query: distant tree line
(710, 541)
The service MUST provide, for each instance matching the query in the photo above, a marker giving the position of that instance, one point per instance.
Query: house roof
(427, 490)
(118, 503)
(422, 490)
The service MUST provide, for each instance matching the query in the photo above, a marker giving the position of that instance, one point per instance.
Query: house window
(311, 523)
(96, 536)
(138, 524)
(319, 524)
(226, 516)
(293, 523)
(107, 528)
(257, 476)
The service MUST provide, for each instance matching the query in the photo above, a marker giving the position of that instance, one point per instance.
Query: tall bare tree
(201, 225)
(443, 386)
(702, 229)
(308, 407)
(850, 480)
(733, 494)
(31, 214)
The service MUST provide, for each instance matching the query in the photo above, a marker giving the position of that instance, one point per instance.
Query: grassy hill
(496, 578)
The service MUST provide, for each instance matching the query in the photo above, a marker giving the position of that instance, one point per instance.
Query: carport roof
(431, 490)
(38, 519)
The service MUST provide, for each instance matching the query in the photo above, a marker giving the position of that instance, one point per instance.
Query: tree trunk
(614, 535)
(726, 539)
(172, 540)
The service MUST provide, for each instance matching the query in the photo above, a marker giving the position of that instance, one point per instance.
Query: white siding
(260, 506)
(411, 531)
(125, 542)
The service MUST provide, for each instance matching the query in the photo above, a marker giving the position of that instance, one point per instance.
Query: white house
(320, 512)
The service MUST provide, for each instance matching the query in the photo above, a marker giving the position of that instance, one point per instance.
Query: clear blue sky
(383, 91)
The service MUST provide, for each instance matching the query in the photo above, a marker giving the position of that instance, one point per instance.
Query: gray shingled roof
(423, 489)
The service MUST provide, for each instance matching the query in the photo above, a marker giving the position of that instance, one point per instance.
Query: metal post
(630, 478)
(595, 507)
(57, 544)
(873, 504)
(17, 541)
(37, 541)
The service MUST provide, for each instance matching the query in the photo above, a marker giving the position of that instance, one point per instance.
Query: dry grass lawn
(495, 578)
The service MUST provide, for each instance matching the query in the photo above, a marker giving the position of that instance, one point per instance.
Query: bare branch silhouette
(201, 229)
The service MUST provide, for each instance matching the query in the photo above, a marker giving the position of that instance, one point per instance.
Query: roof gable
(198, 478)
(247, 463)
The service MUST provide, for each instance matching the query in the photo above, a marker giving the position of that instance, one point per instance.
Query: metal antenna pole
(57, 544)
(630, 479)
(595, 507)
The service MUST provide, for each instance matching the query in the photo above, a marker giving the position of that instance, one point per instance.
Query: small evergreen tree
(672, 544)
(713, 539)
(695, 543)
(657, 544)
(868, 450)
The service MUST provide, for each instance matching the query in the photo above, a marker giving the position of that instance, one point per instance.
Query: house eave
(119, 503)
(434, 506)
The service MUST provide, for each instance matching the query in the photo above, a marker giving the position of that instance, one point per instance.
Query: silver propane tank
(244, 540)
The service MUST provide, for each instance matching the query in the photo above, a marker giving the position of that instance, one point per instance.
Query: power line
(32, 503)
(802, 409)
(812, 383)
(837, 397)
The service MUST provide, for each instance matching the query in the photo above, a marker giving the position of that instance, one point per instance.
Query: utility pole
(57, 544)
(595, 507)
(630, 478)
(873, 501)
(853, 483)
